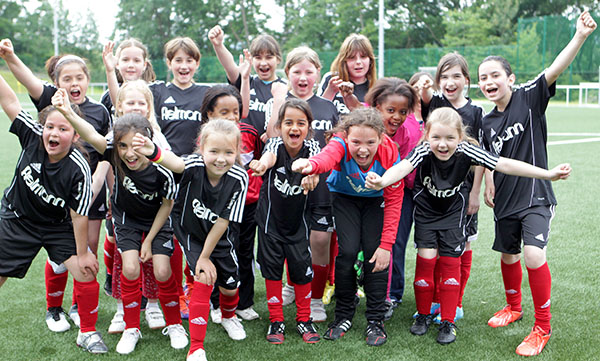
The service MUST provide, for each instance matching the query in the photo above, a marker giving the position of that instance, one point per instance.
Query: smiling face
(302, 77)
(58, 136)
(362, 145)
(132, 159)
(452, 83)
(183, 66)
(443, 140)
(134, 101)
(394, 109)
(131, 63)
(74, 80)
(495, 84)
(226, 107)
(219, 153)
(358, 66)
(264, 65)
(294, 129)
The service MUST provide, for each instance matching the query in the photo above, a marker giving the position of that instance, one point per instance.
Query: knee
(534, 257)
(227, 292)
(162, 274)
(510, 258)
(131, 270)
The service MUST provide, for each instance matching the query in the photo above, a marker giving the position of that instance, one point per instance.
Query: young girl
(141, 204)
(366, 220)
(213, 188)
(444, 160)
(516, 128)
(46, 206)
(71, 73)
(283, 217)
(225, 102)
(452, 78)
(354, 66)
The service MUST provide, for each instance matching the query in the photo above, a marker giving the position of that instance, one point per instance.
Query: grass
(572, 254)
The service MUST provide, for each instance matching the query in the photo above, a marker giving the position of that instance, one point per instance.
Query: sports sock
(55, 286)
(169, 300)
(333, 252)
(303, 296)
(437, 277)
(540, 282)
(109, 252)
(274, 302)
(465, 272)
(512, 275)
(229, 303)
(176, 267)
(320, 272)
(423, 284)
(449, 286)
(87, 302)
(117, 270)
(150, 288)
(199, 310)
(132, 298)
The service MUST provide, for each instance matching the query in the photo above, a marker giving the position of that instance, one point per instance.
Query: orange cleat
(505, 317)
(534, 343)
(183, 307)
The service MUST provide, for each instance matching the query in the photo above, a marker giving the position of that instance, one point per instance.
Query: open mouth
(450, 92)
(131, 163)
(294, 136)
(264, 71)
(53, 144)
(75, 93)
(491, 91)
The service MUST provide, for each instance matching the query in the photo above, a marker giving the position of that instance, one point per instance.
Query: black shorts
(128, 239)
(448, 242)
(272, 253)
(532, 226)
(21, 240)
(108, 226)
(321, 218)
(471, 227)
(99, 207)
(226, 263)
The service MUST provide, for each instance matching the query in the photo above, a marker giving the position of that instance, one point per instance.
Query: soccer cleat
(183, 307)
(108, 285)
(117, 324)
(74, 315)
(534, 343)
(337, 329)
(328, 293)
(177, 335)
(505, 317)
(247, 314)
(375, 334)
(234, 328)
(92, 342)
(215, 315)
(317, 310)
(275, 332)
(391, 306)
(155, 317)
(198, 355)
(288, 295)
(458, 316)
(447, 333)
(434, 310)
(308, 332)
(421, 325)
(57, 320)
(128, 340)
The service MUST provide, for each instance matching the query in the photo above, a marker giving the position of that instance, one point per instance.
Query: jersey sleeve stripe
(418, 154)
(26, 119)
(170, 180)
(273, 144)
(86, 192)
(479, 155)
(237, 211)
(313, 147)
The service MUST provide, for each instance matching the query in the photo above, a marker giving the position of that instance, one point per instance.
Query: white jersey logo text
(39, 190)
(130, 186)
(204, 213)
(179, 114)
(440, 193)
(286, 188)
(322, 124)
(509, 134)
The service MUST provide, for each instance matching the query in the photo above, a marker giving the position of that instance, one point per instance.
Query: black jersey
(360, 90)
(441, 194)
(138, 195)
(178, 114)
(470, 113)
(202, 204)
(107, 102)
(325, 116)
(94, 113)
(283, 211)
(42, 191)
(261, 101)
(520, 132)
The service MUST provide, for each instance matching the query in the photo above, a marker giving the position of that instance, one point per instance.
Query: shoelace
(55, 313)
(305, 327)
(376, 328)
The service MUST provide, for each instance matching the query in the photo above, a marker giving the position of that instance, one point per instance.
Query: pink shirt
(407, 137)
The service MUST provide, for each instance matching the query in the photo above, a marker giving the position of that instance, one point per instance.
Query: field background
(572, 255)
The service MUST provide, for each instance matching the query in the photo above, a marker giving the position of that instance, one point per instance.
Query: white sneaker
(74, 315)
(128, 341)
(155, 317)
(215, 315)
(317, 310)
(117, 324)
(234, 328)
(177, 335)
(57, 320)
(288, 295)
(198, 355)
(92, 342)
(247, 314)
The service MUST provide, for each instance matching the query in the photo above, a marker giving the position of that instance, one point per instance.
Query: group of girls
(366, 169)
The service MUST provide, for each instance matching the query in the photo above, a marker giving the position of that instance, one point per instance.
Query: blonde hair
(448, 117)
(148, 74)
(182, 43)
(299, 54)
(142, 87)
(223, 128)
(352, 44)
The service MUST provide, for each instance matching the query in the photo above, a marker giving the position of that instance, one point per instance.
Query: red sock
(116, 280)
(189, 278)
(109, 252)
(176, 260)
(333, 252)
(320, 273)
(274, 302)
(229, 304)
(55, 286)
(199, 310)
(423, 284)
(169, 300)
(449, 286)
(465, 271)
(437, 277)
(540, 282)
(512, 275)
(303, 296)
(87, 302)
(132, 297)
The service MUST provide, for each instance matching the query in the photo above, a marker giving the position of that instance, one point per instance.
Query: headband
(68, 58)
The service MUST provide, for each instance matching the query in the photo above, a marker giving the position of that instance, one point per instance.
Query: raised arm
(216, 36)
(279, 92)
(166, 158)
(585, 26)
(110, 63)
(86, 131)
(8, 100)
(522, 169)
(245, 61)
(391, 176)
(266, 161)
(34, 85)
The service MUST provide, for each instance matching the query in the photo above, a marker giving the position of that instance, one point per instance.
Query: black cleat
(447, 333)
(337, 329)
(375, 334)
(421, 325)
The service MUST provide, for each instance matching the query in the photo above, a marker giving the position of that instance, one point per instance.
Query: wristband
(156, 155)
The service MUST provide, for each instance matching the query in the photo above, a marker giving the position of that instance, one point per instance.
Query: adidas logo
(354, 175)
(252, 91)
(323, 220)
(172, 304)
(230, 280)
(382, 205)
(512, 292)
(56, 294)
(421, 283)
(540, 237)
(170, 100)
(95, 310)
(168, 245)
(132, 305)
(37, 167)
(281, 170)
(492, 132)
(457, 249)
(309, 295)
(452, 282)
(198, 321)
(308, 271)
(273, 300)
(546, 305)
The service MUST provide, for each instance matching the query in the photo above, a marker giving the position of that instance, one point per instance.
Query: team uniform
(360, 90)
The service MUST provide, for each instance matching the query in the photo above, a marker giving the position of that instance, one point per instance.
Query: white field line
(574, 134)
(574, 141)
